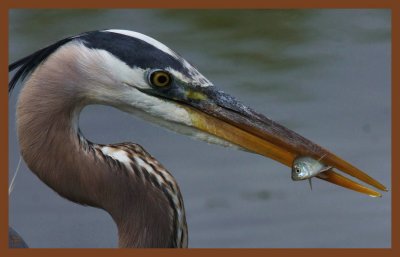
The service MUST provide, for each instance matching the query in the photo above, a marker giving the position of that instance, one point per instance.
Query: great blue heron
(139, 75)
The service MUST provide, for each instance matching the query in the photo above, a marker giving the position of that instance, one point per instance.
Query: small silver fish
(306, 168)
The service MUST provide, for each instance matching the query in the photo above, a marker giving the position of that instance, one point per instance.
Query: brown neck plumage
(47, 121)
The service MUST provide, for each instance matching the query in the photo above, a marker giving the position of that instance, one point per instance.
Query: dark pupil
(298, 170)
(162, 79)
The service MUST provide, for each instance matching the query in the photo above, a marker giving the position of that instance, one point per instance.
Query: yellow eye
(160, 78)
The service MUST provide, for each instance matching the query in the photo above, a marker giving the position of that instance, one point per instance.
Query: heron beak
(223, 116)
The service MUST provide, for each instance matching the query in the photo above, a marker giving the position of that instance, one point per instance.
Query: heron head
(140, 75)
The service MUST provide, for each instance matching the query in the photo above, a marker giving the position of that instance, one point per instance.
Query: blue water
(323, 73)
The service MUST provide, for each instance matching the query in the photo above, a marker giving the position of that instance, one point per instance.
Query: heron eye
(160, 78)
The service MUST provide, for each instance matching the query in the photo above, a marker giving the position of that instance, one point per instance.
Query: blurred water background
(323, 73)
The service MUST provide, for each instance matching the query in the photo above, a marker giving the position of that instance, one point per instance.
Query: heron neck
(47, 126)
(53, 149)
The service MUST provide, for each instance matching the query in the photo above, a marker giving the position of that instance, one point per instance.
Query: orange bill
(238, 124)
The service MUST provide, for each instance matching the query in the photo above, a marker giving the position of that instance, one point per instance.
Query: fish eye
(297, 170)
(160, 78)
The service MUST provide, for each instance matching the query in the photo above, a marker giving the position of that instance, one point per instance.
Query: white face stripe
(147, 39)
(103, 62)
(197, 77)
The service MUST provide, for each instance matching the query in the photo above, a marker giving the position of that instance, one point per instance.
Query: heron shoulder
(145, 168)
(139, 162)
